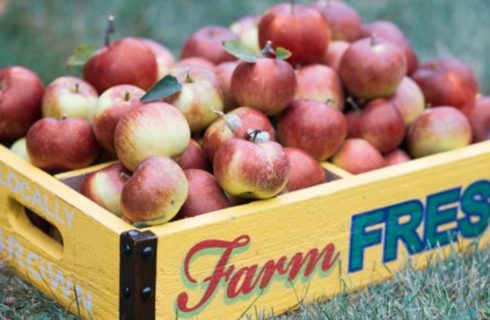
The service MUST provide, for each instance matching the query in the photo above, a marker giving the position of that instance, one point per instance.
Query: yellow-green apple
(224, 71)
(478, 113)
(111, 106)
(19, 148)
(247, 30)
(335, 52)
(235, 124)
(304, 170)
(105, 186)
(320, 83)
(358, 156)
(409, 100)
(195, 62)
(372, 68)
(21, 93)
(379, 123)
(257, 169)
(298, 28)
(194, 157)
(125, 61)
(446, 81)
(205, 194)
(65, 144)
(389, 31)
(165, 57)
(199, 98)
(154, 129)
(69, 97)
(268, 84)
(395, 157)
(312, 126)
(344, 21)
(207, 43)
(155, 192)
(437, 130)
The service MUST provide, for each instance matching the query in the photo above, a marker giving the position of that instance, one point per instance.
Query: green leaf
(235, 48)
(167, 86)
(80, 56)
(283, 53)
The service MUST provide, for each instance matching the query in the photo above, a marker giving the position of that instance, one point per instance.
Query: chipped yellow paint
(258, 255)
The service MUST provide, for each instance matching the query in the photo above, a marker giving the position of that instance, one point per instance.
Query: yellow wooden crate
(256, 258)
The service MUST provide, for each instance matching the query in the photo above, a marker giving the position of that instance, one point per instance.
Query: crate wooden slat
(262, 256)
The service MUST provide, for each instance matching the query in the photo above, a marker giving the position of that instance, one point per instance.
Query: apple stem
(188, 78)
(268, 51)
(374, 40)
(252, 134)
(109, 30)
(77, 87)
(126, 96)
(353, 103)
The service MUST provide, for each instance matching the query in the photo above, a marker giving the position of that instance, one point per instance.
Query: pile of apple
(249, 111)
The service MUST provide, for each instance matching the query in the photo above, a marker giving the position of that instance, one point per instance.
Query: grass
(42, 34)
(456, 288)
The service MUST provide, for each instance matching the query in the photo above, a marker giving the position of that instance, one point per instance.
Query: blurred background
(42, 34)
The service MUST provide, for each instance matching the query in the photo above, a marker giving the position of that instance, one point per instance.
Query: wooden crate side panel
(341, 236)
(86, 267)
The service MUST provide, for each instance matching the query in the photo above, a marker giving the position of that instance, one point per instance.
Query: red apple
(235, 124)
(247, 30)
(165, 57)
(205, 194)
(314, 127)
(251, 169)
(298, 28)
(112, 105)
(224, 71)
(389, 31)
(195, 62)
(194, 157)
(344, 21)
(155, 192)
(358, 156)
(335, 52)
(372, 68)
(66, 144)
(437, 130)
(268, 85)
(207, 42)
(199, 98)
(105, 186)
(409, 100)
(446, 82)
(125, 61)
(69, 97)
(154, 129)
(304, 170)
(320, 83)
(21, 92)
(379, 123)
(395, 157)
(478, 114)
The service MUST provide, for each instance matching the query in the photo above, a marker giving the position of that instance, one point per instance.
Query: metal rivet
(126, 292)
(133, 233)
(146, 293)
(126, 249)
(147, 253)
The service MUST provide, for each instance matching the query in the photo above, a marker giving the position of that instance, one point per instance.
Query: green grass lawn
(42, 35)
(456, 288)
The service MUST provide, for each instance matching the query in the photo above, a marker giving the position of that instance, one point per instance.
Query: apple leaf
(283, 53)
(235, 48)
(80, 56)
(167, 86)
